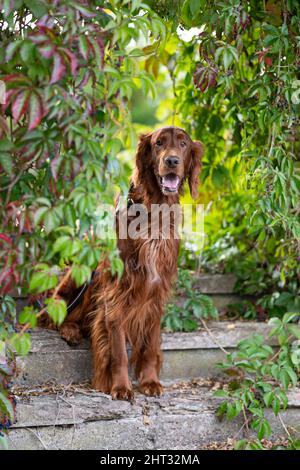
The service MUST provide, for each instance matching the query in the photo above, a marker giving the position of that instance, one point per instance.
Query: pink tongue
(170, 181)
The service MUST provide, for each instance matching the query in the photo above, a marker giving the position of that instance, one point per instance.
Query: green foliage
(196, 306)
(69, 71)
(7, 366)
(236, 87)
(243, 444)
(57, 310)
(261, 376)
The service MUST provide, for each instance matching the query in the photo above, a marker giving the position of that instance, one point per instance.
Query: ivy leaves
(195, 307)
(262, 376)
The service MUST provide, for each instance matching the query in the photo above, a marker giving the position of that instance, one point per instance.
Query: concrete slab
(183, 418)
(186, 355)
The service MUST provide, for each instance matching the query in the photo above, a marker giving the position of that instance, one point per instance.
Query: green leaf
(57, 310)
(83, 46)
(295, 330)
(5, 145)
(276, 405)
(37, 7)
(116, 265)
(21, 343)
(12, 49)
(6, 407)
(295, 357)
(62, 243)
(221, 394)
(28, 316)
(292, 375)
(27, 50)
(289, 316)
(6, 162)
(81, 274)
(227, 59)
(231, 411)
(41, 281)
(264, 429)
(268, 398)
(189, 324)
(195, 6)
(284, 378)
(3, 442)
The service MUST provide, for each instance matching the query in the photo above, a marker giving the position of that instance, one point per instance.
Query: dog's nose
(172, 161)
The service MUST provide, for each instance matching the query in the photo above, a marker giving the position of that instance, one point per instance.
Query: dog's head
(168, 156)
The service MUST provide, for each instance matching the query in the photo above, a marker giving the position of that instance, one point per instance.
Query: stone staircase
(57, 409)
(183, 418)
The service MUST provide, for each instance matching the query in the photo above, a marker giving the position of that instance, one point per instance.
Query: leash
(130, 201)
(75, 302)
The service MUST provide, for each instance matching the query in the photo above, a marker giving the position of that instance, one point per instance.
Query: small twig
(213, 337)
(245, 424)
(279, 351)
(38, 437)
(74, 417)
(283, 425)
(246, 419)
(28, 325)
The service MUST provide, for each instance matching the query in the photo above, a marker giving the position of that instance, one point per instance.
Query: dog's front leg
(148, 363)
(121, 386)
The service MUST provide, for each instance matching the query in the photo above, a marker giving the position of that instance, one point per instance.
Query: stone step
(219, 287)
(183, 418)
(186, 355)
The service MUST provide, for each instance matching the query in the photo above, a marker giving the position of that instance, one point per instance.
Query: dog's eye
(183, 143)
(159, 143)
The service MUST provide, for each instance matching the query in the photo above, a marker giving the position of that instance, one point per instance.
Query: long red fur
(115, 311)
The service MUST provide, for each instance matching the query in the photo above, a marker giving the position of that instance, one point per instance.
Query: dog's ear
(142, 158)
(195, 168)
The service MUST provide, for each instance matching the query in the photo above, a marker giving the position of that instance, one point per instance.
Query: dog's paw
(122, 392)
(151, 389)
(71, 333)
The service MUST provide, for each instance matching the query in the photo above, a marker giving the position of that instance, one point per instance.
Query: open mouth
(170, 183)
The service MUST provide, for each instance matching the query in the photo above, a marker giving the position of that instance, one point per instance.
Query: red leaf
(268, 61)
(46, 21)
(9, 95)
(98, 51)
(55, 165)
(59, 69)
(3, 127)
(20, 105)
(88, 13)
(36, 111)
(84, 46)
(73, 60)
(39, 38)
(14, 77)
(47, 50)
(85, 79)
(5, 273)
(6, 238)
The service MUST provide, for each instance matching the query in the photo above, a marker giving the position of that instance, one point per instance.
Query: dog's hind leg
(71, 330)
(76, 323)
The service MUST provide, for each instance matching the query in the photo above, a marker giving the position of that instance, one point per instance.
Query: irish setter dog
(116, 311)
